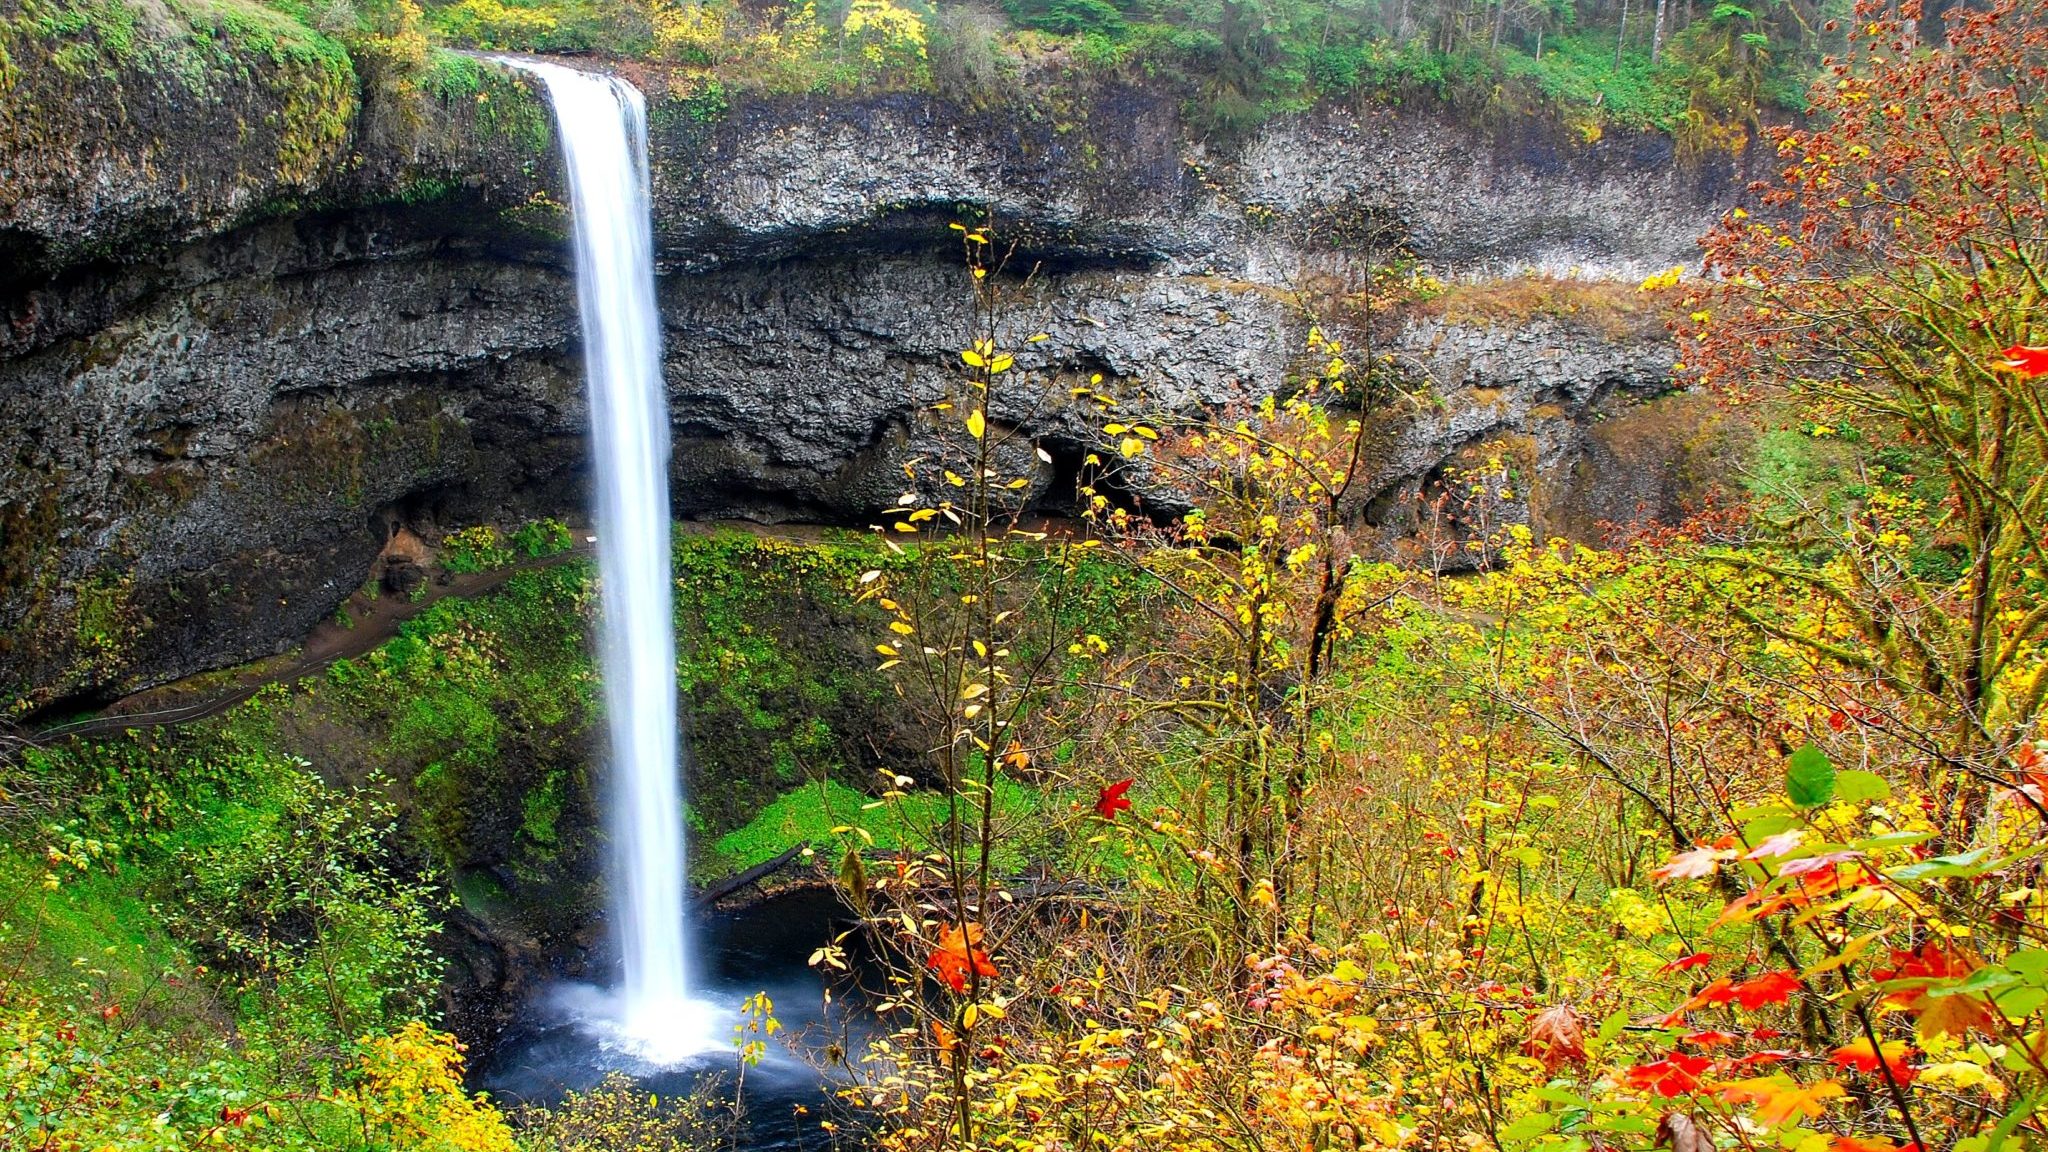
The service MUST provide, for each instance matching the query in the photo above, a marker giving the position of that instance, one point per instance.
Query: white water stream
(602, 124)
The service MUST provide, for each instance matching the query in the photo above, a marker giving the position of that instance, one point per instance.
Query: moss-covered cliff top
(134, 125)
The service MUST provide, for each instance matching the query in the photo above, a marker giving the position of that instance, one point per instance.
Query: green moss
(541, 808)
(508, 110)
(822, 814)
(309, 70)
(451, 76)
(86, 38)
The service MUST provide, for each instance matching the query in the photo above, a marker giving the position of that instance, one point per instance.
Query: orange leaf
(959, 954)
(1769, 988)
(1917, 973)
(2024, 359)
(1860, 1057)
(1780, 1099)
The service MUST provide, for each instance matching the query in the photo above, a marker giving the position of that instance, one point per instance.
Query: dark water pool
(764, 949)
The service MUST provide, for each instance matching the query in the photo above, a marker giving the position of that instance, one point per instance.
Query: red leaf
(1769, 988)
(1864, 1144)
(1721, 991)
(1672, 1076)
(1112, 801)
(1753, 906)
(2024, 359)
(1696, 960)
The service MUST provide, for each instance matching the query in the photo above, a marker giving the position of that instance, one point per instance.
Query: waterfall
(602, 123)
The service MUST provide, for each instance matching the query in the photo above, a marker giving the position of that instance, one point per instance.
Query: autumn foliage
(1728, 838)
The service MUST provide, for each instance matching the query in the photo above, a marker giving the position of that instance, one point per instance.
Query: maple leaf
(1753, 906)
(1556, 1038)
(1916, 975)
(1860, 1057)
(2032, 764)
(1769, 988)
(1779, 845)
(1672, 1076)
(2025, 359)
(1694, 865)
(1111, 800)
(1780, 1099)
(1709, 1039)
(958, 954)
(1696, 960)
(1721, 991)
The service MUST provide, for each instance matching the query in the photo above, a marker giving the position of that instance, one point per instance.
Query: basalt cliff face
(245, 343)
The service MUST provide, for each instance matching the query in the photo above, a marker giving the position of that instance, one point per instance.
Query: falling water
(603, 129)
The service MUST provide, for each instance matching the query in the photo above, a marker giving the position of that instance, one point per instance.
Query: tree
(976, 609)
(1904, 246)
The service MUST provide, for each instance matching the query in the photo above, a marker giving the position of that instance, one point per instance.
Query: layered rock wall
(226, 379)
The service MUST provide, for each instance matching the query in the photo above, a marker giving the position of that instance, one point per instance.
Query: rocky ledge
(230, 375)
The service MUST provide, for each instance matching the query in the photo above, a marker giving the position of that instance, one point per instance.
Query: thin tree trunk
(1621, 39)
(1657, 34)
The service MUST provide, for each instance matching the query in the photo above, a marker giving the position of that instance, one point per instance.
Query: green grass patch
(825, 814)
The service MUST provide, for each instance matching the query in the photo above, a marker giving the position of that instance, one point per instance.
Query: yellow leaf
(974, 359)
(1131, 446)
(976, 425)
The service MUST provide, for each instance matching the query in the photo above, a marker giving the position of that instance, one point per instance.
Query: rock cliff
(246, 343)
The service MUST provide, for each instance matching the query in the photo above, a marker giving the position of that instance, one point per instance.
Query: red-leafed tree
(1879, 279)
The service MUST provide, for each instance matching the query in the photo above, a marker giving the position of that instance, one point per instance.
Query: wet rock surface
(215, 409)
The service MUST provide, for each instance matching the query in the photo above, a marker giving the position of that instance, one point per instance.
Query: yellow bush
(410, 1092)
